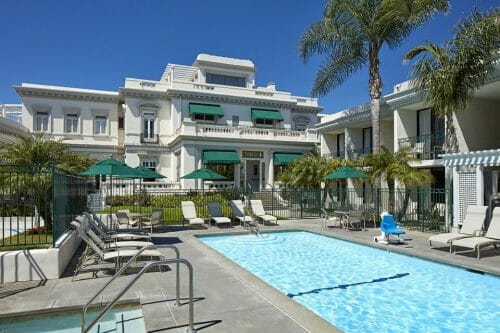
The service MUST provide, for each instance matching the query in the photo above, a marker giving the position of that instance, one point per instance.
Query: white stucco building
(210, 113)
(472, 175)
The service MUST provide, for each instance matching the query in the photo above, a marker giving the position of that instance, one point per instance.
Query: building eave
(473, 158)
(66, 93)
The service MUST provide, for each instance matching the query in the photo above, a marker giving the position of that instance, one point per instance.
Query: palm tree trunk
(451, 143)
(375, 85)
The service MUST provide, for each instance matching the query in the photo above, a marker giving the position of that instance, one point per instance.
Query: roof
(472, 158)
(233, 62)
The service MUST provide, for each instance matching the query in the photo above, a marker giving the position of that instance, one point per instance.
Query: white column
(270, 169)
(479, 185)
(456, 187)
(260, 175)
(448, 178)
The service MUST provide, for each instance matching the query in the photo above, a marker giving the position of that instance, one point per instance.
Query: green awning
(207, 109)
(285, 159)
(266, 114)
(220, 157)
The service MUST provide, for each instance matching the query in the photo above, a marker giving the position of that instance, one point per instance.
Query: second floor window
(226, 80)
(148, 125)
(100, 125)
(204, 117)
(266, 122)
(42, 121)
(72, 123)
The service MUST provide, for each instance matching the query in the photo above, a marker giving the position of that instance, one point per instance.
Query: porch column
(260, 175)
(448, 179)
(270, 170)
(456, 197)
(479, 185)
(237, 171)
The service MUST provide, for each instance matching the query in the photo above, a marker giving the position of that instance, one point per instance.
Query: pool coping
(122, 303)
(302, 316)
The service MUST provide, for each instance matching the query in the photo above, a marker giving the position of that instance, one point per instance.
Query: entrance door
(253, 174)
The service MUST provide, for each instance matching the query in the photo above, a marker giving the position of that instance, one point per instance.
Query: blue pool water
(123, 320)
(362, 289)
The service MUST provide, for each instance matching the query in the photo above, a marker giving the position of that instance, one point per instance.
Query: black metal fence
(37, 204)
(419, 209)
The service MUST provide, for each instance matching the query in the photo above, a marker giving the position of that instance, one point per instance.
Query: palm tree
(394, 167)
(351, 35)
(29, 160)
(447, 75)
(308, 172)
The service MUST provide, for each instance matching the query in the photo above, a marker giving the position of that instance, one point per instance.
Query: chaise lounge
(260, 213)
(492, 237)
(189, 214)
(473, 223)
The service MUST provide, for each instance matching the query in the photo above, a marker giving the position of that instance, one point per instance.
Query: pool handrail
(122, 270)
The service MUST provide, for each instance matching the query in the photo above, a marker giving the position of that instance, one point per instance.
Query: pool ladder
(177, 260)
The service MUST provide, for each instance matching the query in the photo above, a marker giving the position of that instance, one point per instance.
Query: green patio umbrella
(111, 167)
(204, 174)
(345, 173)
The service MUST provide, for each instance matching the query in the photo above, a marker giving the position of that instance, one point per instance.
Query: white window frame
(36, 120)
(150, 117)
(301, 123)
(101, 117)
(71, 123)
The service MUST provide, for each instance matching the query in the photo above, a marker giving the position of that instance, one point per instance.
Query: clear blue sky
(96, 44)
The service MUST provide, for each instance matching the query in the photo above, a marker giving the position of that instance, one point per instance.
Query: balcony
(149, 138)
(358, 153)
(336, 155)
(250, 133)
(424, 147)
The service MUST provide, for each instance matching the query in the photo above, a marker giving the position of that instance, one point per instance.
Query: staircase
(273, 203)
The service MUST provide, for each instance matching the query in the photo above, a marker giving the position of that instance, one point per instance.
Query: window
(340, 145)
(236, 120)
(206, 117)
(100, 125)
(148, 125)
(226, 80)
(121, 123)
(71, 123)
(301, 123)
(267, 122)
(367, 140)
(42, 121)
(151, 165)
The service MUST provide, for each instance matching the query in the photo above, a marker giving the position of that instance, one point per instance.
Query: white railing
(242, 132)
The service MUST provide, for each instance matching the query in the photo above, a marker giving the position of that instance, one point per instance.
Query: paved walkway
(228, 298)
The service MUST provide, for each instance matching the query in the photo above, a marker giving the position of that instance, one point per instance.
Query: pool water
(358, 288)
(123, 320)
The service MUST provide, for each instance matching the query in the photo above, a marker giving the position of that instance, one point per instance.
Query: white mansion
(208, 114)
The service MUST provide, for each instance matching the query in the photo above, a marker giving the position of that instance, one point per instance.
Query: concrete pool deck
(227, 298)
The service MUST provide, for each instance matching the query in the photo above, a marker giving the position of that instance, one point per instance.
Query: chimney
(271, 86)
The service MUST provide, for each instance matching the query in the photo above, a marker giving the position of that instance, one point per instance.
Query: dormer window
(226, 80)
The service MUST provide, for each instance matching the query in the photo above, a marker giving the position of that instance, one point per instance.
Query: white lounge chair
(238, 211)
(102, 243)
(216, 213)
(118, 235)
(492, 236)
(473, 223)
(189, 214)
(260, 213)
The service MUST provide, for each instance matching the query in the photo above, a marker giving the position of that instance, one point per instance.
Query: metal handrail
(122, 270)
(126, 287)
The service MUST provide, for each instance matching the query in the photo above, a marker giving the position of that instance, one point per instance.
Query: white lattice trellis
(467, 192)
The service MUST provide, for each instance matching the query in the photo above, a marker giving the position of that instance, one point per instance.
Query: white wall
(86, 109)
(39, 264)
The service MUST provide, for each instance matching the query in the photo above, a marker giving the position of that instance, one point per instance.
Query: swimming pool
(118, 320)
(358, 288)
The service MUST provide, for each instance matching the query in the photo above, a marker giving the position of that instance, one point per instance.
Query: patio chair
(238, 211)
(110, 234)
(115, 256)
(260, 213)
(355, 218)
(156, 218)
(216, 215)
(326, 217)
(388, 227)
(473, 223)
(492, 236)
(106, 245)
(189, 214)
(122, 217)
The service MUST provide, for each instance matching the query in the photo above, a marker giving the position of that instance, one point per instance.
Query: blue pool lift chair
(388, 227)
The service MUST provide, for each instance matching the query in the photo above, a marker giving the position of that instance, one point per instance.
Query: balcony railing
(358, 153)
(336, 155)
(242, 132)
(149, 138)
(424, 147)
